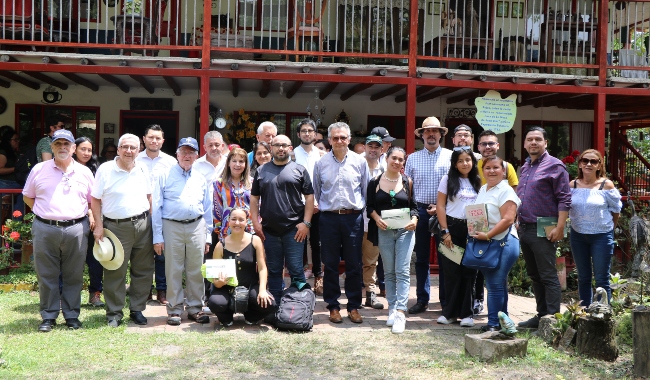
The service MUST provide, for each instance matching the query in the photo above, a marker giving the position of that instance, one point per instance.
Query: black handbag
(434, 224)
(484, 254)
(239, 299)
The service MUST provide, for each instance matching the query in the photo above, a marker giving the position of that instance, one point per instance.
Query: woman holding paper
(595, 207)
(502, 203)
(248, 251)
(457, 190)
(392, 193)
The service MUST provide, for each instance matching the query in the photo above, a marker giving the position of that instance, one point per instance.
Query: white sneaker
(444, 321)
(391, 318)
(400, 323)
(467, 322)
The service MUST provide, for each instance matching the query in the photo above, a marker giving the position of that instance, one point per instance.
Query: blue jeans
(281, 250)
(161, 280)
(341, 237)
(422, 254)
(496, 281)
(396, 247)
(592, 250)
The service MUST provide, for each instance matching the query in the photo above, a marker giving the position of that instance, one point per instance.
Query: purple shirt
(543, 188)
(59, 195)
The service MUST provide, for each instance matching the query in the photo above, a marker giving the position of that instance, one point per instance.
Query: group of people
(159, 216)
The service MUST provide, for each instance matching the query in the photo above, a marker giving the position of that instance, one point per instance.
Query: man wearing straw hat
(58, 191)
(121, 202)
(426, 167)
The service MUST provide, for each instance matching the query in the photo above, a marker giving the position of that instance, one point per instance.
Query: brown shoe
(335, 316)
(382, 293)
(95, 299)
(354, 315)
(199, 317)
(318, 285)
(161, 296)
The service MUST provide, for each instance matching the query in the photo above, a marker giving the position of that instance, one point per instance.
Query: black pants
(459, 280)
(314, 241)
(220, 298)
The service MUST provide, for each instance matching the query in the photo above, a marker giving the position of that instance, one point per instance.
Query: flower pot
(560, 266)
(26, 254)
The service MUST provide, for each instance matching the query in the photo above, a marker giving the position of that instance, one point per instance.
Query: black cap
(462, 127)
(383, 133)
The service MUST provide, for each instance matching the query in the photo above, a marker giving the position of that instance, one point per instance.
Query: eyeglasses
(490, 144)
(592, 161)
(129, 147)
(462, 149)
(283, 146)
(307, 131)
(393, 201)
(187, 152)
(339, 138)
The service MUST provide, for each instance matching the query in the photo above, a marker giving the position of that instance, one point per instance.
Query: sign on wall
(496, 114)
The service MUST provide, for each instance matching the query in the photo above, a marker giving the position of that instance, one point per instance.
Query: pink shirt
(59, 195)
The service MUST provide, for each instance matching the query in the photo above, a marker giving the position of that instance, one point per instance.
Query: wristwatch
(445, 231)
(308, 224)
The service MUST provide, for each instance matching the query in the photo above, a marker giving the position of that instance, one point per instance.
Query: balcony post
(410, 118)
(598, 131)
(601, 43)
(410, 88)
(207, 27)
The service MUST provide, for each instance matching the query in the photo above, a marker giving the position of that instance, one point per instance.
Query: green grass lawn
(99, 352)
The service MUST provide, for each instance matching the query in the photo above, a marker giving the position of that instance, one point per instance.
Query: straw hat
(109, 252)
(430, 122)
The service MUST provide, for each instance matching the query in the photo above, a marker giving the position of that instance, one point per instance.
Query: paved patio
(520, 308)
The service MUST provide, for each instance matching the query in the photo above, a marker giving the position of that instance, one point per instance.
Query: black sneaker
(418, 308)
(532, 323)
(371, 301)
(47, 325)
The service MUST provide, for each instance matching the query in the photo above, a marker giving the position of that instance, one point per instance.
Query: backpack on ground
(296, 309)
(24, 165)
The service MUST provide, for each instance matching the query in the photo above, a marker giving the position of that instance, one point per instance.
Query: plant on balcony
(15, 230)
(242, 128)
(132, 7)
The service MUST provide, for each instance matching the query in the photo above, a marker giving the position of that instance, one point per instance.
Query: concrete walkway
(520, 308)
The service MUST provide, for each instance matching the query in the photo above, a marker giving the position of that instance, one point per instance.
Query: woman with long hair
(251, 272)
(595, 208)
(392, 190)
(502, 203)
(83, 154)
(9, 153)
(457, 189)
(232, 190)
(261, 155)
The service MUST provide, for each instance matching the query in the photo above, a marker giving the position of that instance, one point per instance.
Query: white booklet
(216, 266)
(396, 218)
(454, 254)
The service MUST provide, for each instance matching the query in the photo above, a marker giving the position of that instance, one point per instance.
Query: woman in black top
(392, 190)
(248, 250)
(9, 152)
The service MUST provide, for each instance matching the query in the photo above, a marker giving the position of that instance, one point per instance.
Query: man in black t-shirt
(280, 186)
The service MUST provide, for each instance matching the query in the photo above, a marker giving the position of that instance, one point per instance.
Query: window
(272, 13)
(395, 125)
(32, 121)
(563, 136)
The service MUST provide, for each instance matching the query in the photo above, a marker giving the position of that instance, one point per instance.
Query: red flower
(569, 160)
(575, 153)
(5, 229)
(14, 235)
(17, 214)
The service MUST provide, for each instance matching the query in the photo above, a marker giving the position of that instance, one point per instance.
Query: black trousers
(459, 280)
(220, 298)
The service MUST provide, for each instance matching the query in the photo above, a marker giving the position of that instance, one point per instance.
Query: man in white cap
(426, 168)
(182, 223)
(121, 202)
(58, 191)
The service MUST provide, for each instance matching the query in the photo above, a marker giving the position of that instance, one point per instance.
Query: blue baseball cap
(63, 134)
(189, 141)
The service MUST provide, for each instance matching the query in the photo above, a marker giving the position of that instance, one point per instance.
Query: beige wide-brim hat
(109, 252)
(430, 122)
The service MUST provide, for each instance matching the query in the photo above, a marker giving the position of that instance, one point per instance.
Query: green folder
(548, 223)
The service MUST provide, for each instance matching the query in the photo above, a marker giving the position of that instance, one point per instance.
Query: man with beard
(307, 155)
(280, 186)
(488, 145)
(463, 137)
(58, 191)
(426, 168)
(211, 165)
(157, 162)
(121, 202)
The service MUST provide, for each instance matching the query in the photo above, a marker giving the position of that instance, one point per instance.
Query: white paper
(396, 218)
(454, 254)
(214, 267)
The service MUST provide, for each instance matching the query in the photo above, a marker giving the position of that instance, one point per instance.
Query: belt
(130, 219)
(344, 211)
(423, 205)
(61, 223)
(185, 221)
(455, 220)
(522, 224)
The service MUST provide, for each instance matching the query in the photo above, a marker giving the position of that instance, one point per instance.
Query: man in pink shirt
(58, 191)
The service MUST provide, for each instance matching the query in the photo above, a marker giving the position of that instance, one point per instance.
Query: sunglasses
(462, 149)
(393, 201)
(592, 161)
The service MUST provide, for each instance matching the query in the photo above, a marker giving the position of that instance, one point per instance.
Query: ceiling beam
(534, 98)
(555, 100)
(36, 75)
(266, 88)
(171, 82)
(143, 82)
(17, 78)
(418, 91)
(328, 90)
(235, 87)
(107, 77)
(354, 90)
(461, 97)
(294, 89)
(386, 92)
(74, 77)
(436, 93)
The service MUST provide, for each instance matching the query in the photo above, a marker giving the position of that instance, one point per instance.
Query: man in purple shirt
(58, 191)
(544, 192)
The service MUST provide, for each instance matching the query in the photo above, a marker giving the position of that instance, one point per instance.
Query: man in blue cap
(182, 220)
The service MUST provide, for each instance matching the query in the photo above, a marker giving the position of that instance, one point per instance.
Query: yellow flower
(245, 117)
(250, 134)
(240, 135)
(251, 125)
(228, 116)
(271, 118)
(241, 111)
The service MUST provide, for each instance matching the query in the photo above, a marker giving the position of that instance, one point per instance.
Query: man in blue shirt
(340, 184)
(182, 218)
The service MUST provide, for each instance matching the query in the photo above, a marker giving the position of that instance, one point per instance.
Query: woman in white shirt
(457, 190)
(502, 203)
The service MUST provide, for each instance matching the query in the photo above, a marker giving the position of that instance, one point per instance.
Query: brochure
(214, 267)
(546, 224)
(477, 219)
(454, 254)
(396, 218)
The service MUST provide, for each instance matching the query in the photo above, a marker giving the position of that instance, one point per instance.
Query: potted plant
(16, 230)
(132, 7)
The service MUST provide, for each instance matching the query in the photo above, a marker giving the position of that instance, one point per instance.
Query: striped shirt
(426, 169)
(543, 188)
(341, 185)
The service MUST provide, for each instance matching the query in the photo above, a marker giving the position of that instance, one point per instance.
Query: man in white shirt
(121, 202)
(212, 163)
(156, 162)
(307, 155)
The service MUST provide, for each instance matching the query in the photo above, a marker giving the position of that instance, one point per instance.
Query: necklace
(391, 180)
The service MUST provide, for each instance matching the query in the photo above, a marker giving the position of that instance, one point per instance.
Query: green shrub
(624, 329)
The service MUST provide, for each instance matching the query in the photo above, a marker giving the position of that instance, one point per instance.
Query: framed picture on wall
(109, 128)
(502, 8)
(517, 10)
(108, 140)
(436, 7)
